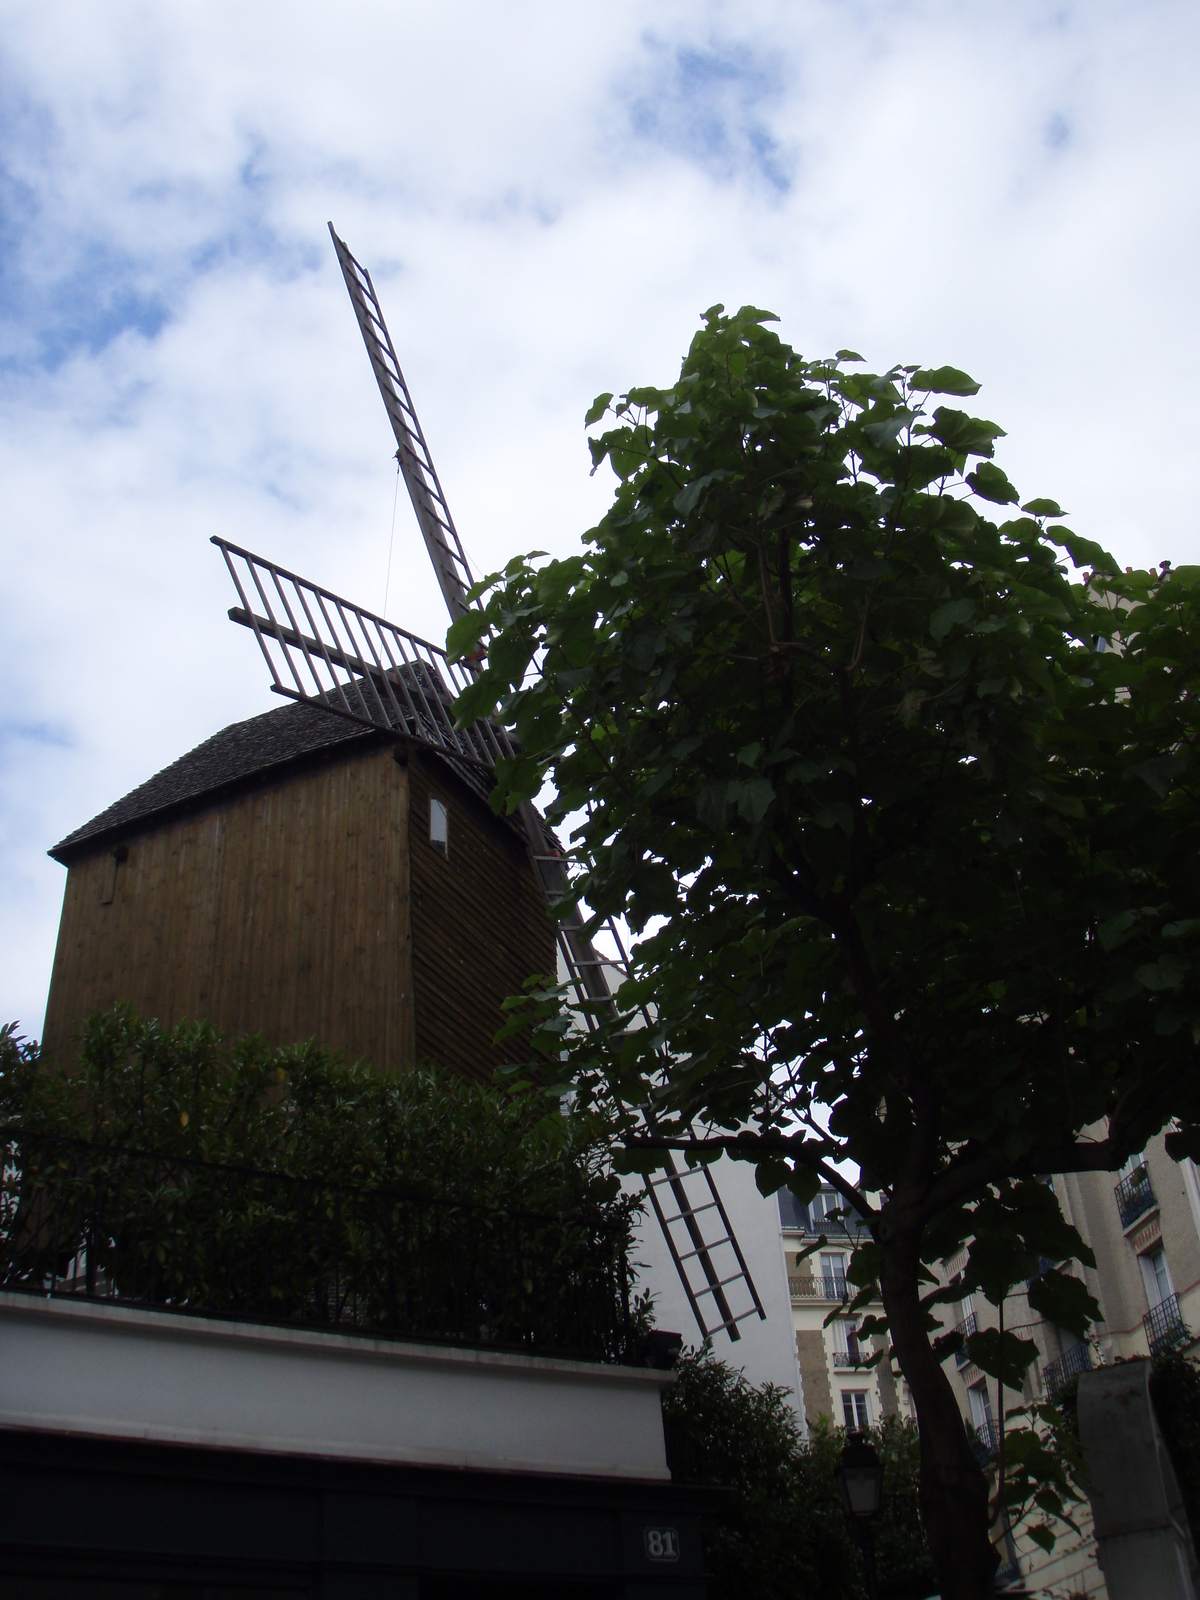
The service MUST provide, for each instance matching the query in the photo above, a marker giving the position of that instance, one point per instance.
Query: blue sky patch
(46, 734)
(709, 106)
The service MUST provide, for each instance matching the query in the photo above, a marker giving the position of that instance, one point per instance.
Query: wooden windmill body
(343, 876)
(283, 878)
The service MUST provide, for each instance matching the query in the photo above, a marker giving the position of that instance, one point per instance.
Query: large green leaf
(990, 483)
(944, 380)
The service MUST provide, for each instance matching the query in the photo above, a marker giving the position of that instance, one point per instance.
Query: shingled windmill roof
(261, 745)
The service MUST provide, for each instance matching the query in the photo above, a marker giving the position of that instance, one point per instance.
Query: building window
(856, 1410)
(982, 1419)
(833, 1275)
(1156, 1276)
(829, 1207)
(846, 1349)
(439, 827)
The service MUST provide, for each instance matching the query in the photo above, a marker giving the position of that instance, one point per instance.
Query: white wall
(103, 1370)
(766, 1350)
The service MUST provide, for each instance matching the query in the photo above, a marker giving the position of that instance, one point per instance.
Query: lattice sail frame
(416, 464)
(348, 660)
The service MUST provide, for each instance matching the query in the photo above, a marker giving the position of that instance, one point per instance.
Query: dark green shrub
(782, 1534)
(286, 1183)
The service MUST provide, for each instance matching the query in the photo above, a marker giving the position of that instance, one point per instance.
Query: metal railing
(853, 1356)
(984, 1442)
(1057, 1374)
(1164, 1325)
(1135, 1196)
(817, 1287)
(843, 1222)
(962, 1356)
(153, 1230)
(1044, 1265)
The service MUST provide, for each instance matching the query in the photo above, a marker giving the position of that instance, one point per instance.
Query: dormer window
(439, 827)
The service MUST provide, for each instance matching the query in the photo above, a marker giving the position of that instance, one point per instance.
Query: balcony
(93, 1223)
(984, 1443)
(1135, 1196)
(817, 1287)
(1165, 1327)
(965, 1328)
(852, 1356)
(1057, 1374)
(833, 1216)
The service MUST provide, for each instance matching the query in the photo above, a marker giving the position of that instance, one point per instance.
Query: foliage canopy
(904, 814)
(302, 1111)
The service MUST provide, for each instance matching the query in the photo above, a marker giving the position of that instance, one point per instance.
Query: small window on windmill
(439, 827)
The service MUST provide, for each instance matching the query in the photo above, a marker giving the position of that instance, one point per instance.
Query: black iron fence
(188, 1236)
(1164, 1325)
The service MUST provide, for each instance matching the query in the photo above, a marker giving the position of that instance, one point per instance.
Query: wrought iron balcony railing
(1164, 1325)
(966, 1328)
(844, 1222)
(817, 1287)
(179, 1235)
(1057, 1374)
(853, 1356)
(1135, 1196)
(984, 1442)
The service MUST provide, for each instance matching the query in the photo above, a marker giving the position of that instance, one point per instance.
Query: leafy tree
(782, 1534)
(904, 815)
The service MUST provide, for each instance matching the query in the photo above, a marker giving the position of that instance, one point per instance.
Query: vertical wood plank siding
(311, 908)
(284, 911)
(479, 923)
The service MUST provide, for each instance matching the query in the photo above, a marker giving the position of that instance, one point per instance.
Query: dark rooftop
(240, 751)
(267, 744)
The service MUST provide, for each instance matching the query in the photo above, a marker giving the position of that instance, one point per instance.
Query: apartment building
(1143, 1226)
(835, 1377)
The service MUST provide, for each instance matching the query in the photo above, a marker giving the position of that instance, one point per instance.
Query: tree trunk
(954, 1493)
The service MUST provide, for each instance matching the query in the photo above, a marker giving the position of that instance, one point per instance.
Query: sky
(547, 198)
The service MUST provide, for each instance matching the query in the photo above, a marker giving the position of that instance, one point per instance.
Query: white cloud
(546, 199)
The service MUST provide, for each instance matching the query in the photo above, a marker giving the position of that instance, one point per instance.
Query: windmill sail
(325, 650)
(416, 463)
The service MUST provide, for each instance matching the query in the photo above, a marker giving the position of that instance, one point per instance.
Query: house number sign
(662, 1544)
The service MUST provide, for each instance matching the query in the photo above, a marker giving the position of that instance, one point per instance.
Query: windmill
(327, 652)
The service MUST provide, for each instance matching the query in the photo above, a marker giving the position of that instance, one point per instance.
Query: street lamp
(860, 1479)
